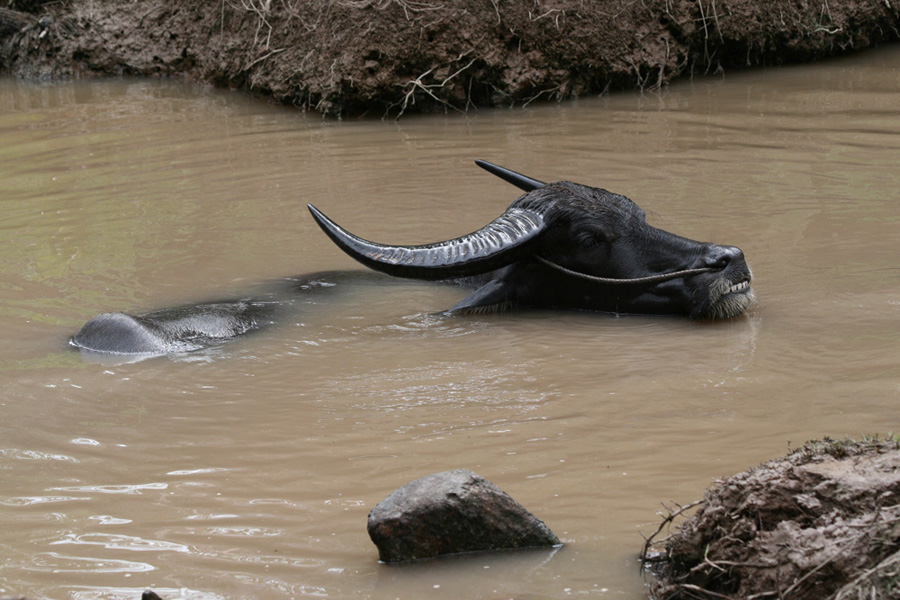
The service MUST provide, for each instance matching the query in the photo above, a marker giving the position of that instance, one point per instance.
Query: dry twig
(418, 85)
(665, 522)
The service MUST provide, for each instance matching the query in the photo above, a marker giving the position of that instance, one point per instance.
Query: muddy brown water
(248, 470)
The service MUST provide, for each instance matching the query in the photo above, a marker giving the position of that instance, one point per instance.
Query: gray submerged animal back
(167, 331)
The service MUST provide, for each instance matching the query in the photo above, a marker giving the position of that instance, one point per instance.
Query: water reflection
(486, 575)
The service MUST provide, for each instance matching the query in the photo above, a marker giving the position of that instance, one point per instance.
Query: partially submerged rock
(449, 513)
(822, 522)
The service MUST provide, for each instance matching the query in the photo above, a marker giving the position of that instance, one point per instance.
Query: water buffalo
(561, 245)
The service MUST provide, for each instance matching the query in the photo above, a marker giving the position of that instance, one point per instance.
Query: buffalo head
(566, 245)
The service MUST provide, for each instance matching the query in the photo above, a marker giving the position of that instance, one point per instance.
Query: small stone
(450, 513)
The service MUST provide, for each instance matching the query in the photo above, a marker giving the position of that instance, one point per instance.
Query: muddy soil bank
(820, 523)
(390, 56)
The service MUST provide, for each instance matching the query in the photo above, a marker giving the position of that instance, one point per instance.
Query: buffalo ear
(493, 296)
(523, 182)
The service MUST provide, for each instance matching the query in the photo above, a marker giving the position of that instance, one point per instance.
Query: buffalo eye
(590, 239)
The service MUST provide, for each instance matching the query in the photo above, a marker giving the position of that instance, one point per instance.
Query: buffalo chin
(727, 299)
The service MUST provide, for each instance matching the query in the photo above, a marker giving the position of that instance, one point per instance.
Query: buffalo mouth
(742, 286)
(729, 297)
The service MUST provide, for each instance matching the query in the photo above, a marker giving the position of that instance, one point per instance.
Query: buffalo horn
(522, 182)
(493, 246)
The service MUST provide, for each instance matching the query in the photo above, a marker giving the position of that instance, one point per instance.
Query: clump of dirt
(821, 522)
(392, 56)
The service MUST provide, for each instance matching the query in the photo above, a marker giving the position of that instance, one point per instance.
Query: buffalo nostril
(719, 257)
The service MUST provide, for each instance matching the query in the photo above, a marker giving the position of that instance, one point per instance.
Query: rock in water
(452, 512)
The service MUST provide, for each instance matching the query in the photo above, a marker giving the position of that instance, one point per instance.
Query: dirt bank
(390, 56)
(820, 523)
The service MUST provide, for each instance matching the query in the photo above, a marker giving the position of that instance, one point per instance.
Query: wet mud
(821, 522)
(389, 57)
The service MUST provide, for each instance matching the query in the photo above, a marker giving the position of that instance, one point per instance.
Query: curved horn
(493, 246)
(522, 182)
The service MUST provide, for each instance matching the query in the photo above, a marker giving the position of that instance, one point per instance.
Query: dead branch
(665, 522)
(417, 84)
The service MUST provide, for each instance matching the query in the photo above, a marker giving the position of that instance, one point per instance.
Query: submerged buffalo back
(169, 330)
(118, 333)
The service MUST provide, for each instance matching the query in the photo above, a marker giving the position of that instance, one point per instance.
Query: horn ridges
(493, 246)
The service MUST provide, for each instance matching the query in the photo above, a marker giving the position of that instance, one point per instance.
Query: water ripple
(197, 471)
(114, 489)
(17, 454)
(245, 531)
(60, 563)
(84, 442)
(31, 500)
(123, 593)
(121, 542)
(109, 520)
